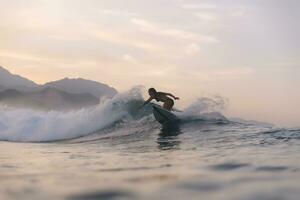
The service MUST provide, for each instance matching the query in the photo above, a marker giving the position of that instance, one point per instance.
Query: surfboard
(164, 116)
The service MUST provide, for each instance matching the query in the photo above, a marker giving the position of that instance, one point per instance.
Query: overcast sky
(244, 50)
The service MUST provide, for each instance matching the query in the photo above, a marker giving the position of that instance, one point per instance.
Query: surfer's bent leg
(168, 105)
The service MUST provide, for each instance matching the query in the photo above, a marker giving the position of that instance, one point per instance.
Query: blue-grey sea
(114, 151)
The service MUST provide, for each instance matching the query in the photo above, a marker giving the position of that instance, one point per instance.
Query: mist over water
(27, 125)
(116, 151)
(32, 125)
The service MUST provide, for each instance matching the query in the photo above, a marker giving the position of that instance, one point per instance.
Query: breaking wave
(26, 125)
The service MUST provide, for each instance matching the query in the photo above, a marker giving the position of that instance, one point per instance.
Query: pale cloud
(234, 73)
(238, 13)
(124, 39)
(156, 29)
(192, 49)
(145, 25)
(222, 74)
(183, 44)
(64, 37)
(150, 73)
(206, 17)
(26, 57)
(90, 63)
(129, 58)
(199, 6)
(118, 12)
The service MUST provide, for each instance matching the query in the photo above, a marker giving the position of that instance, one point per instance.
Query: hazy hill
(9, 80)
(80, 85)
(47, 99)
(63, 94)
(77, 86)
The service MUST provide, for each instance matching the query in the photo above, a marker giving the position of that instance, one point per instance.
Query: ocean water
(114, 151)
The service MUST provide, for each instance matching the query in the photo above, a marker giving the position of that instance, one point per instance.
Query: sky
(246, 51)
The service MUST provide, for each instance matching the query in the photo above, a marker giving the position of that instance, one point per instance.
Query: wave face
(25, 125)
(95, 153)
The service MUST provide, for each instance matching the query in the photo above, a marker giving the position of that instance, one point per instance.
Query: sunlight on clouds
(199, 6)
(188, 46)
(145, 25)
(152, 28)
(119, 13)
(238, 13)
(129, 58)
(215, 75)
(206, 17)
(125, 39)
(23, 56)
(192, 49)
(235, 73)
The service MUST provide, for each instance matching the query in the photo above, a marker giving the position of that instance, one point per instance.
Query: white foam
(26, 125)
(206, 108)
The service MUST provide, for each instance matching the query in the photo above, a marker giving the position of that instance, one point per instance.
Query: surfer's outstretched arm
(171, 95)
(148, 101)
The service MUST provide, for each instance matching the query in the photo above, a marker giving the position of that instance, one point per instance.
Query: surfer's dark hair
(152, 90)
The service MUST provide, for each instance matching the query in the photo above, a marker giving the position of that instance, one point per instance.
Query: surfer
(163, 97)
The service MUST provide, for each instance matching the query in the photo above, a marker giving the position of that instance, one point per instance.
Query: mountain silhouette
(65, 94)
(80, 85)
(12, 81)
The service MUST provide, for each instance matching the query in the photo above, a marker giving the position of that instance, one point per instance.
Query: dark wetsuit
(168, 102)
(161, 96)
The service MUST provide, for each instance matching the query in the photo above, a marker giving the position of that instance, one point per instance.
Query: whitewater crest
(26, 125)
(205, 108)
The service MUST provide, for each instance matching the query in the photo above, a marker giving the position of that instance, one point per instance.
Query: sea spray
(27, 125)
(205, 108)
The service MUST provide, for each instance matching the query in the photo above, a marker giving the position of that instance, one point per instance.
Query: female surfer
(161, 96)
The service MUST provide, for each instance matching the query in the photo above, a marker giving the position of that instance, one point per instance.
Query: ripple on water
(228, 166)
(8, 166)
(134, 168)
(271, 168)
(153, 178)
(202, 186)
(102, 195)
